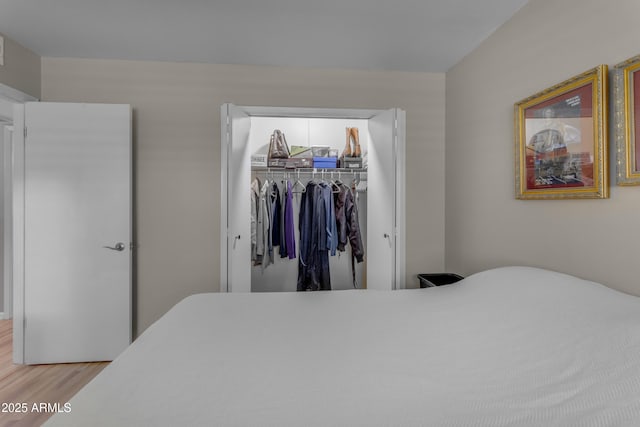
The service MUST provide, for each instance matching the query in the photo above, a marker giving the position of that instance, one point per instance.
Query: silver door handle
(118, 247)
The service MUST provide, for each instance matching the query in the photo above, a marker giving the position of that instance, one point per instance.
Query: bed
(512, 346)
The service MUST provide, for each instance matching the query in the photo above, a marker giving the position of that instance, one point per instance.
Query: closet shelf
(307, 170)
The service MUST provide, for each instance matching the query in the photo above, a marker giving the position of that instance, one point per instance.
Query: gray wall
(21, 69)
(546, 42)
(177, 153)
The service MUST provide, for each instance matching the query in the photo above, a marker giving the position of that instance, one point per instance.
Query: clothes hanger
(303, 189)
(361, 185)
(298, 182)
(339, 180)
(335, 188)
(272, 182)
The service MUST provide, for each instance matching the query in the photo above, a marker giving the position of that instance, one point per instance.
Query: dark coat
(348, 223)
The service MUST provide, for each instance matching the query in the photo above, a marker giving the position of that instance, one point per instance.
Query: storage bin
(291, 163)
(320, 150)
(438, 279)
(300, 151)
(352, 163)
(259, 160)
(325, 162)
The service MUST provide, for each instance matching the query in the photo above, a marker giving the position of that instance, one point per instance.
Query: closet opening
(375, 183)
(309, 139)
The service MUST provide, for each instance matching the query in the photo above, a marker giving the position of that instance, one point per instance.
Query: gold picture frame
(626, 95)
(561, 140)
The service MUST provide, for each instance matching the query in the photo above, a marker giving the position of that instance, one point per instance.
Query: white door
(77, 232)
(236, 220)
(385, 221)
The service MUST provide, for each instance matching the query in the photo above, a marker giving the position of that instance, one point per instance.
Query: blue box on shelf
(325, 162)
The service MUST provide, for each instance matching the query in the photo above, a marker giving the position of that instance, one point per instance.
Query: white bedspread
(507, 347)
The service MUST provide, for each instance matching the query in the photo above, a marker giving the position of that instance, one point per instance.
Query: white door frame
(9, 97)
(17, 175)
(6, 280)
(337, 113)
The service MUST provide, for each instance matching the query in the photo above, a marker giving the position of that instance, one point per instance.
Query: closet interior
(374, 180)
(274, 272)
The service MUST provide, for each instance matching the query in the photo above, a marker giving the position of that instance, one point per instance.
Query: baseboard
(2, 315)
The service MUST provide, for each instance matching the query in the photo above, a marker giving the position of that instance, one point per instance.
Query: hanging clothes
(268, 206)
(327, 222)
(262, 228)
(349, 226)
(348, 223)
(330, 218)
(283, 240)
(313, 263)
(289, 227)
(276, 214)
(255, 200)
(267, 223)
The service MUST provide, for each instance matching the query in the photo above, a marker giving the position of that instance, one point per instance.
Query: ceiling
(404, 35)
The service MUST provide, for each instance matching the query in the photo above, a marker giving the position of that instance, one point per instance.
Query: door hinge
(25, 132)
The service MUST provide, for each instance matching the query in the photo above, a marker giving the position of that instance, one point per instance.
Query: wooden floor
(37, 384)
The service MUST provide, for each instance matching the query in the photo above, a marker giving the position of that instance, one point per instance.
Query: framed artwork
(626, 94)
(561, 140)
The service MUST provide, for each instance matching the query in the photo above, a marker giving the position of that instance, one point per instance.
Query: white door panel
(381, 200)
(401, 200)
(238, 183)
(77, 297)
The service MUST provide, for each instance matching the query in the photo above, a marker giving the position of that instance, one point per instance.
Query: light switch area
(1, 50)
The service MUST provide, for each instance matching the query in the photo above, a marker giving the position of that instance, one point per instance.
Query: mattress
(512, 346)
